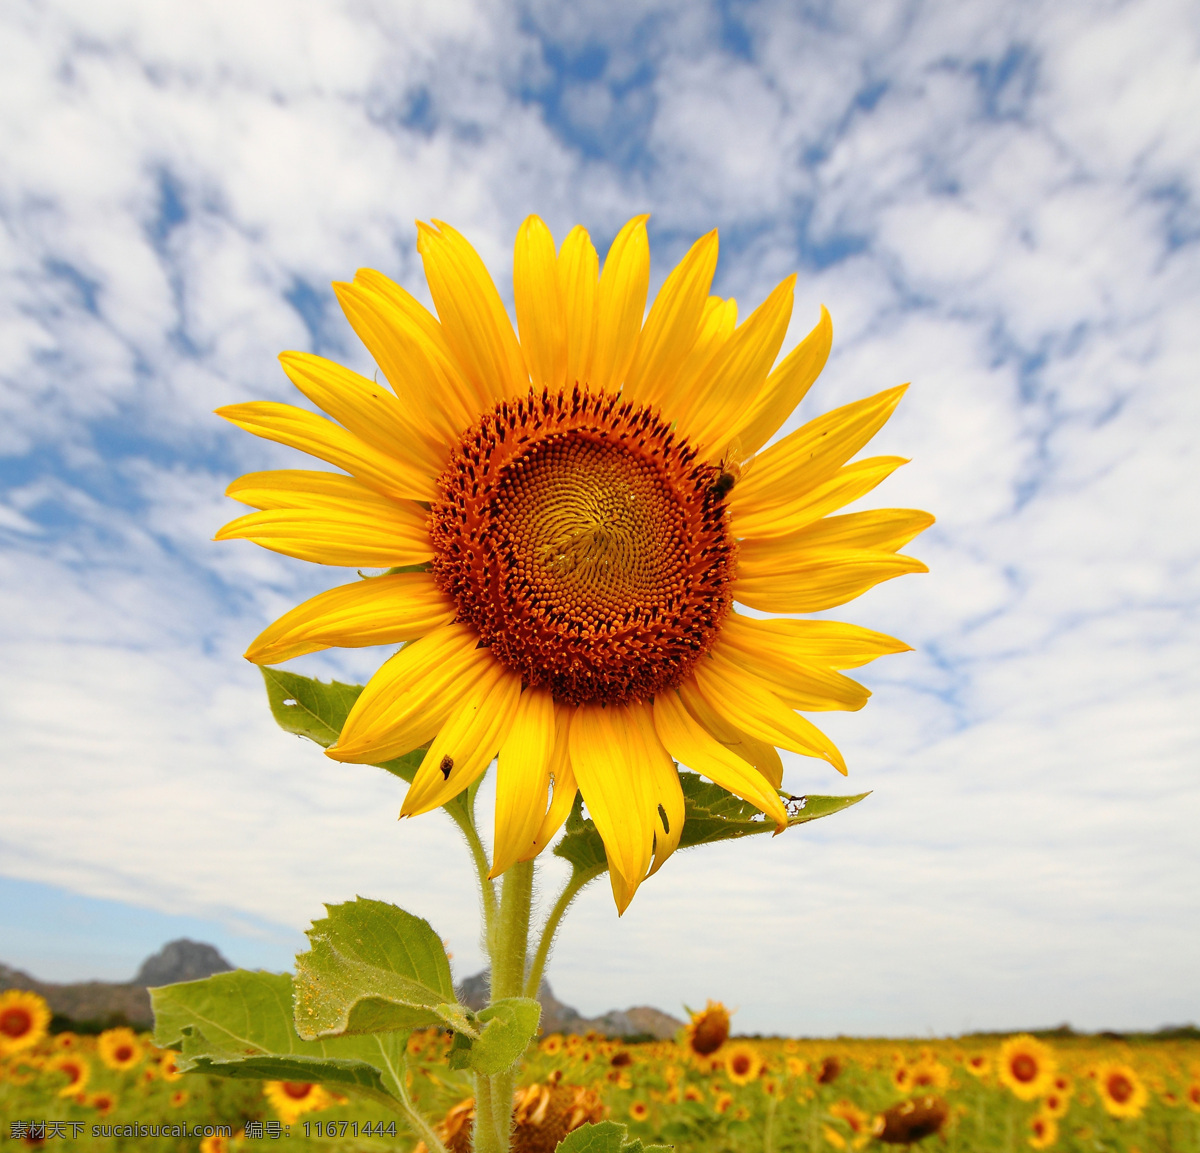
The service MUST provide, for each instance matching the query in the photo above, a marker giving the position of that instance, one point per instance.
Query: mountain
(92, 1005)
(559, 1018)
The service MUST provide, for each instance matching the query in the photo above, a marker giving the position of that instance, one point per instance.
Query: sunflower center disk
(586, 544)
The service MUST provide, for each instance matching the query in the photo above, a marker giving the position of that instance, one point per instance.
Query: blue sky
(998, 203)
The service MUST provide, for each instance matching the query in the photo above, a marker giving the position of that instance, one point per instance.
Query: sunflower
(168, 1065)
(543, 1114)
(179, 1098)
(978, 1064)
(722, 1100)
(576, 511)
(1191, 1096)
(103, 1102)
(639, 1110)
(743, 1063)
(1043, 1130)
(707, 1030)
(552, 1045)
(119, 1049)
(1026, 1065)
(1122, 1092)
(77, 1071)
(24, 1019)
(292, 1098)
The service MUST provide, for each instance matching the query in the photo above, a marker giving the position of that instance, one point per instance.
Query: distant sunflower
(707, 1030)
(639, 1110)
(1043, 1130)
(1191, 1096)
(290, 1099)
(743, 1063)
(168, 1065)
(1026, 1065)
(76, 1069)
(103, 1102)
(1122, 1092)
(24, 1019)
(978, 1064)
(576, 512)
(119, 1049)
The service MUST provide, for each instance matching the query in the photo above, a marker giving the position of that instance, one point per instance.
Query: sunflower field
(702, 1092)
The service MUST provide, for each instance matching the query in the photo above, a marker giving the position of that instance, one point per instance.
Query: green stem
(508, 944)
(573, 887)
(462, 813)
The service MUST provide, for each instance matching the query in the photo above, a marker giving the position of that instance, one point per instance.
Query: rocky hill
(102, 1004)
(559, 1018)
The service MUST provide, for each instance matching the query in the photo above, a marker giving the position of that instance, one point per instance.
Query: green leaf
(307, 707)
(580, 844)
(508, 1026)
(606, 1137)
(316, 710)
(239, 1024)
(711, 814)
(372, 968)
(714, 814)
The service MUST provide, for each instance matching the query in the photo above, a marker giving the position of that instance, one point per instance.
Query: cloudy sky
(1000, 203)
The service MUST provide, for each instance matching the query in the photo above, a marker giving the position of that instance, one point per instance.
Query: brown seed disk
(586, 543)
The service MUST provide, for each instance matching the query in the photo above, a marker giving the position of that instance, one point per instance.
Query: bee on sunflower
(568, 514)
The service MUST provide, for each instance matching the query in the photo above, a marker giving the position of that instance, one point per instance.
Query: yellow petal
(671, 328)
(409, 346)
(362, 538)
(736, 374)
(407, 700)
(763, 756)
(541, 317)
(831, 643)
(802, 508)
(476, 326)
(466, 744)
(373, 414)
(565, 787)
(378, 611)
(321, 438)
(620, 306)
(613, 789)
(717, 325)
(887, 529)
(811, 688)
(812, 454)
(747, 703)
(661, 780)
(817, 580)
(786, 387)
(690, 744)
(578, 272)
(522, 778)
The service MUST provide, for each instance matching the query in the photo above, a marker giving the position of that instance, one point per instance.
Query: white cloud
(994, 204)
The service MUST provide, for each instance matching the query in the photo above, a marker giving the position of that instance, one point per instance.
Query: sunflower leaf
(316, 710)
(714, 814)
(580, 843)
(606, 1137)
(373, 968)
(307, 707)
(239, 1024)
(508, 1026)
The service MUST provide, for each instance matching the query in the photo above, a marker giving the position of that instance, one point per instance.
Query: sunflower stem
(462, 812)
(575, 884)
(508, 945)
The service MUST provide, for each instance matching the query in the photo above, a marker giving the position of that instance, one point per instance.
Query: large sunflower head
(577, 506)
(24, 1019)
